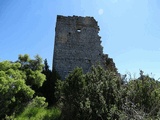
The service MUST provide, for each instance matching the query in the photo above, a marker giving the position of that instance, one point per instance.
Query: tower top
(78, 21)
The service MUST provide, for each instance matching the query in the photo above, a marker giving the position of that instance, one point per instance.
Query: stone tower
(77, 43)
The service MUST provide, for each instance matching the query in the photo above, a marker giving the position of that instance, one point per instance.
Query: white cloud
(100, 11)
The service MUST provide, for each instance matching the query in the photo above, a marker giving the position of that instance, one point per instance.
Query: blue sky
(130, 29)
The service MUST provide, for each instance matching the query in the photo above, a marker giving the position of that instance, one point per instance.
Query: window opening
(79, 30)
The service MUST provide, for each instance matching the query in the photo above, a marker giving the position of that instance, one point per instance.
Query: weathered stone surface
(77, 43)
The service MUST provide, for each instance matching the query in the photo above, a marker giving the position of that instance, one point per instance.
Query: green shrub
(142, 100)
(18, 82)
(90, 96)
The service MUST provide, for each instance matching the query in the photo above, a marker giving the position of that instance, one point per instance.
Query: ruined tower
(77, 43)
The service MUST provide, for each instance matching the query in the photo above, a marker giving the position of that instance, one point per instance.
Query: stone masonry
(77, 44)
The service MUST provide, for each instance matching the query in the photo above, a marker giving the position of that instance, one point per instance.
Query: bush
(142, 98)
(18, 82)
(101, 94)
(95, 95)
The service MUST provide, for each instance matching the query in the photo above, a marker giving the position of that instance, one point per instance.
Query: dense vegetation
(30, 90)
(23, 87)
(102, 95)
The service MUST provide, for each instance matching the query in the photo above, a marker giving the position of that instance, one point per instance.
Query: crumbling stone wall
(77, 43)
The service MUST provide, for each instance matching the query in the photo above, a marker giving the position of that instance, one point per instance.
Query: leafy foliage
(101, 94)
(17, 81)
(143, 97)
(91, 96)
(13, 90)
(32, 69)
